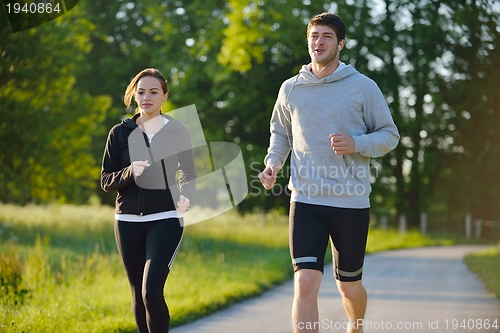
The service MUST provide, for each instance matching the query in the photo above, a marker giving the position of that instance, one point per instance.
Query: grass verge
(486, 264)
(60, 270)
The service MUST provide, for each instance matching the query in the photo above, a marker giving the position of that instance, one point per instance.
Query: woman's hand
(268, 176)
(183, 204)
(138, 167)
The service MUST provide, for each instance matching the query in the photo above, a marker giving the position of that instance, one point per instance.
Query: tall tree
(470, 177)
(405, 46)
(46, 124)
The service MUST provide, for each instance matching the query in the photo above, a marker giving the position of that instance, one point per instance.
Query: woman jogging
(142, 157)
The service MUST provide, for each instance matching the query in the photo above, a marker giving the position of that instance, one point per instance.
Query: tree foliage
(470, 174)
(46, 125)
(434, 60)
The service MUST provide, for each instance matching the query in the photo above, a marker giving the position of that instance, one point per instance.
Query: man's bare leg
(354, 299)
(305, 316)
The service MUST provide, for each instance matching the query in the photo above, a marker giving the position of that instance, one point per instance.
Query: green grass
(60, 270)
(487, 265)
(391, 239)
(73, 281)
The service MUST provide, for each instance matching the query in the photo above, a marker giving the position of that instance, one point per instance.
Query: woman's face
(149, 95)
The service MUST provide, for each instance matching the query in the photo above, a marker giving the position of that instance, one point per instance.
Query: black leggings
(148, 250)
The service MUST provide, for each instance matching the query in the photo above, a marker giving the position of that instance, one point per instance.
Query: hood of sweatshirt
(305, 76)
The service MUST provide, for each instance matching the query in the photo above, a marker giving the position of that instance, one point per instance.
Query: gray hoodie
(306, 112)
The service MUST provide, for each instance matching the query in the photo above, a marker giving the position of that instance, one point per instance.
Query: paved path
(415, 290)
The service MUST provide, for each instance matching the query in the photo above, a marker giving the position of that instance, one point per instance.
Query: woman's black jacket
(156, 190)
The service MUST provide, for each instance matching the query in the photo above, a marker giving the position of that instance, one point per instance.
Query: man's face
(323, 45)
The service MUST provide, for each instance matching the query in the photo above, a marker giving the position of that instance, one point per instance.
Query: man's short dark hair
(331, 20)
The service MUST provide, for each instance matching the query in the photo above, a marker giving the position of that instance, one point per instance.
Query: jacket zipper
(142, 195)
(142, 191)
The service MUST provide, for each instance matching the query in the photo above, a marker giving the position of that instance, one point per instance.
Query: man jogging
(333, 120)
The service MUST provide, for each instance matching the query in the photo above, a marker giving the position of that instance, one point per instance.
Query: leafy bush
(11, 277)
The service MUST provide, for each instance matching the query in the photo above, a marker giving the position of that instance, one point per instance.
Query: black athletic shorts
(312, 225)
